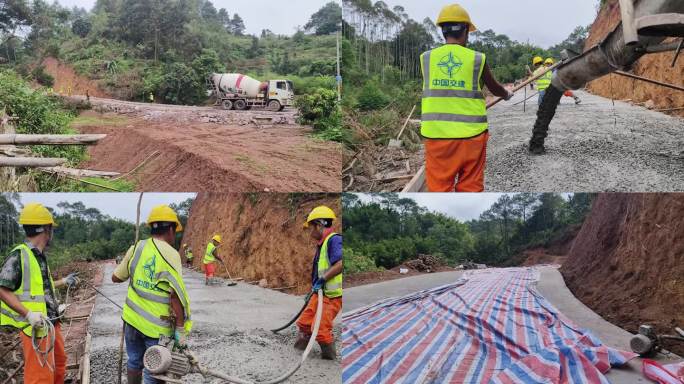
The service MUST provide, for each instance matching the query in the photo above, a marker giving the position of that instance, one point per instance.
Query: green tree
(326, 20)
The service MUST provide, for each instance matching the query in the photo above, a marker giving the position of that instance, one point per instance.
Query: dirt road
(184, 148)
(591, 147)
(230, 333)
(550, 285)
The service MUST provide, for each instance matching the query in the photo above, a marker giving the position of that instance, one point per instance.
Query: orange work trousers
(456, 165)
(34, 372)
(331, 307)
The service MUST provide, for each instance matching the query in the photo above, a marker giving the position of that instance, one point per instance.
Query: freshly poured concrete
(230, 333)
(551, 285)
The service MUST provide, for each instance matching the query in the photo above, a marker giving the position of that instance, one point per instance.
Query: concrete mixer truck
(241, 92)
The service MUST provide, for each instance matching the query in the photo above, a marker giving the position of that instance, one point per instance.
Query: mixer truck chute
(241, 92)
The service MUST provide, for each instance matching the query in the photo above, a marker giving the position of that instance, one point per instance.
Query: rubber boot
(134, 377)
(328, 351)
(302, 341)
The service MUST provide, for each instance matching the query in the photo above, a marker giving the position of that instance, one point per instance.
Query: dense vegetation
(381, 64)
(82, 234)
(137, 47)
(390, 229)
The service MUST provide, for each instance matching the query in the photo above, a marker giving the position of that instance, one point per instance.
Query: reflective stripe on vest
(189, 255)
(209, 254)
(545, 81)
(32, 298)
(146, 303)
(333, 287)
(453, 105)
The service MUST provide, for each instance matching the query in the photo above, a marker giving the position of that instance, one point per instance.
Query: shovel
(231, 283)
(397, 143)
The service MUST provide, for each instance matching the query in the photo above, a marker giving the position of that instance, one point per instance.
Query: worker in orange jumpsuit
(454, 113)
(326, 274)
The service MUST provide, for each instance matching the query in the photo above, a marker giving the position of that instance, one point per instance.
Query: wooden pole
(19, 139)
(406, 122)
(85, 379)
(30, 162)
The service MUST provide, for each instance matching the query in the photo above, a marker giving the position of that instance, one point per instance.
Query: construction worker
(537, 62)
(326, 274)
(157, 303)
(188, 254)
(27, 292)
(454, 113)
(210, 257)
(544, 82)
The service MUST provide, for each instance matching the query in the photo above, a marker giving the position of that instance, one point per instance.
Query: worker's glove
(319, 284)
(180, 338)
(35, 319)
(71, 280)
(509, 95)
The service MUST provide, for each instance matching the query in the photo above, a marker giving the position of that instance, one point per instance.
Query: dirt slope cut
(68, 82)
(626, 263)
(656, 66)
(262, 235)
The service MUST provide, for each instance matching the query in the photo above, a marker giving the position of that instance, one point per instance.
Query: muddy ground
(230, 333)
(182, 148)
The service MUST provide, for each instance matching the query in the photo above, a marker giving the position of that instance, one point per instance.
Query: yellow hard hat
(549, 61)
(36, 214)
(537, 60)
(217, 238)
(321, 212)
(454, 13)
(185, 245)
(166, 214)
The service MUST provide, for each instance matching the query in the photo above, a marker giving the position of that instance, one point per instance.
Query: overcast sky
(541, 22)
(281, 17)
(462, 206)
(118, 205)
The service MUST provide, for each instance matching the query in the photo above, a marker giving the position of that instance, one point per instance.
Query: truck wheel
(274, 105)
(240, 105)
(227, 105)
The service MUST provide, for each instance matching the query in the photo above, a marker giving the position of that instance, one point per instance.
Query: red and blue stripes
(489, 327)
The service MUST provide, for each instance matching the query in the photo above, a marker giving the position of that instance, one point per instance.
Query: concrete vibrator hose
(159, 360)
(306, 303)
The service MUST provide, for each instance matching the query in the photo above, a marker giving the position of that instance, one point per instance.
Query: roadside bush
(371, 98)
(37, 113)
(42, 77)
(355, 262)
(321, 111)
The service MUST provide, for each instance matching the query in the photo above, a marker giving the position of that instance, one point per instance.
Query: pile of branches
(424, 263)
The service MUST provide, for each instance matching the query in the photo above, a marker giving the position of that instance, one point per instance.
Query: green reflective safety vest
(30, 293)
(453, 105)
(209, 254)
(545, 81)
(333, 287)
(188, 255)
(149, 292)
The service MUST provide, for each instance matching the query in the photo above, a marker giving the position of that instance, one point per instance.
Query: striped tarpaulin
(491, 326)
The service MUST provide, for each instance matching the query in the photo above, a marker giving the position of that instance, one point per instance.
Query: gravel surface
(592, 147)
(230, 333)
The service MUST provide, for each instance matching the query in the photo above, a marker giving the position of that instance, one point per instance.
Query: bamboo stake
(656, 82)
(85, 379)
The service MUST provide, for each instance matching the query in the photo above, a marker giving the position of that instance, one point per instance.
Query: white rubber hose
(305, 354)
